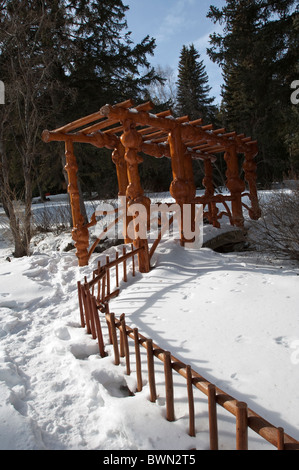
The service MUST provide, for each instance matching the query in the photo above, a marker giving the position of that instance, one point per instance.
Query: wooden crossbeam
(188, 131)
(154, 128)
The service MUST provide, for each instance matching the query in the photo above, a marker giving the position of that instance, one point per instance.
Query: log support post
(209, 193)
(132, 142)
(118, 158)
(80, 232)
(235, 185)
(182, 187)
(250, 167)
(191, 188)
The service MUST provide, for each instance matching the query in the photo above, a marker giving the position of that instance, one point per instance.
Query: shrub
(277, 231)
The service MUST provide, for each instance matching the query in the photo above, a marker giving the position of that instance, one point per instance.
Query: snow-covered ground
(232, 317)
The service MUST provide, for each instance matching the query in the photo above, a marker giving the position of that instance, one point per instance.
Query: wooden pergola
(129, 131)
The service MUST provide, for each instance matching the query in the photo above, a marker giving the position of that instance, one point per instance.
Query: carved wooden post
(179, 188)
(118, 158)
(209, 193)
(191, 185)
(235, 185)
(132, 142)
(80, 231)
(250, 167)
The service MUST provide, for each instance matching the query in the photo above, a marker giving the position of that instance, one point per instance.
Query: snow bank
(233, 318)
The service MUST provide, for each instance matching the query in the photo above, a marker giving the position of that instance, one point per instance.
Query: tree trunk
(8, 199)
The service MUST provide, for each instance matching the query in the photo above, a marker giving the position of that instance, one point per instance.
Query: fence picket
(280, 438)
(103, 288)
(138, 360)
(126, 344)
(125, 265)
(116, 270)
(89, 317)
(108, 276)
(241, 426)
(213, 417)
(121, 339)
(111, 318)
(99, 281)
(133, 260)
(81, 304)
(168, 386)
(151, 370)
(98, 328)
(190, 401)
(87, 313)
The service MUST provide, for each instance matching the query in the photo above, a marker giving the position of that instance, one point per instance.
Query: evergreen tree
(106, 66)
(192, 86)
(59, 60)
(258, 58)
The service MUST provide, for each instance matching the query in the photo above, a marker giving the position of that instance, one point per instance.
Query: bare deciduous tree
(277, 231)
(163, 91)
(27, 63)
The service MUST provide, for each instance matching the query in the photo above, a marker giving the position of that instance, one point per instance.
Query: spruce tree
(106, 66)
(257, 54)
(59, 60)
(192, 86)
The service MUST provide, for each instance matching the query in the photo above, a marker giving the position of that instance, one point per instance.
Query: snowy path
(233, 319)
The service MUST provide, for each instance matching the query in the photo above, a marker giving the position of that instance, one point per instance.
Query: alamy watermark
(136, 221)
(2, 92)
(295, 94)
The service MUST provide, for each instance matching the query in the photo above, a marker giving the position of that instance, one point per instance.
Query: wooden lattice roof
(104, 128)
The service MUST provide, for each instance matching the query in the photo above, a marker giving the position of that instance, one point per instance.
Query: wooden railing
(94, 297)
(100, 284)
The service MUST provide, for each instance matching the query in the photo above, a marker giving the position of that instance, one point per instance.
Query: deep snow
(232, 317)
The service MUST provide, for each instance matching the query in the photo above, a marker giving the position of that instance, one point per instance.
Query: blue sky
(174, 23)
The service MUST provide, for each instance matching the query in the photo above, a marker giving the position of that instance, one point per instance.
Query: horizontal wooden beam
(188, 131)
(98, 139)
(101, 139)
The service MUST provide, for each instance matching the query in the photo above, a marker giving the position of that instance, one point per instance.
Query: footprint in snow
(242, 339)
(281, 340)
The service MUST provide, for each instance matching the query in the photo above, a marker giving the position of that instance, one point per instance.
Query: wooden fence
(94, 297)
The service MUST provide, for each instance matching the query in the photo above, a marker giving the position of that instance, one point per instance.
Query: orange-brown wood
(245, 418)
(126, 345)
(241, 426)
(80, 232)
(98, 329)
(151, 370)
(132, 141)
(111, 319)
(128, 131)
(81, 304)
(235, 185)
(190, 401)
(138, 360)
(168, 386)
(250, 168)
(213, 426)
(280, 438)
(179, 186)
